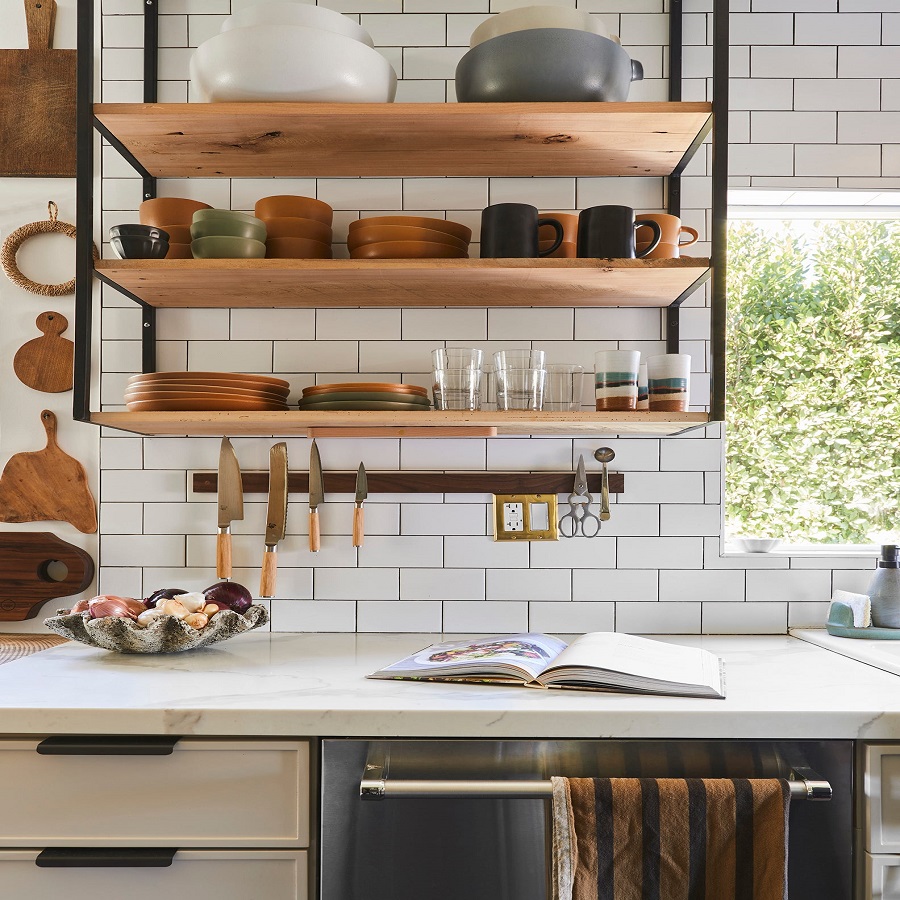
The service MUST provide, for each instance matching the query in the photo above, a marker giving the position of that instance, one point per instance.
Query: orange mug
(671, 228)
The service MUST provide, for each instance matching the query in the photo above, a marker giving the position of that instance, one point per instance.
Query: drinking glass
(520, 388)
(457, 388)
(563, 388)
(519, 359)
(456, 358)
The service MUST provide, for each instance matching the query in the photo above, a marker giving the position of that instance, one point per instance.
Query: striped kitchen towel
(670, 838)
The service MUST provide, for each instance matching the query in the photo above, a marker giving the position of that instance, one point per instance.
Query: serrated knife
(231, 505)
(316, 496)
(276, 516)
(362, 491)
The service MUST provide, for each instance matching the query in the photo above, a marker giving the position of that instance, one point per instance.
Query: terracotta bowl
(179, 251)
(378, 234)
(178, 234)
(289, 205)
(458, 231)
(408, 250)
(297, 248)
(295, 227)
(162, 210)
(566, 250)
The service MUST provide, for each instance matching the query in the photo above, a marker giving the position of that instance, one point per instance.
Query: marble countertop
(313, 684)
(882, 654)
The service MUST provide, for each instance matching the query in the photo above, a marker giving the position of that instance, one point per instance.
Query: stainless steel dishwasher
(452, 819)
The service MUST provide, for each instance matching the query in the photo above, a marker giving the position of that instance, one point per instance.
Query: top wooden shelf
(235, 140)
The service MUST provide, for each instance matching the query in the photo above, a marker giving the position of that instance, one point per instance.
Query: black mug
(511, 230)
(609, 232)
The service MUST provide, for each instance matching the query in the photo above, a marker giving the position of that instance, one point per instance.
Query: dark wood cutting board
(37, 101)
(25, 582)
(47, 485)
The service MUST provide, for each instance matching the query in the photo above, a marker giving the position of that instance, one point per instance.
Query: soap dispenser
(884, 589)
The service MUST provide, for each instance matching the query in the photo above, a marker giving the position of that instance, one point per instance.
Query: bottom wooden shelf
(400, 424)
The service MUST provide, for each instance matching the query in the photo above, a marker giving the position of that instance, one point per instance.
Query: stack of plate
(366, 395)
(408, 237)
(205, 392)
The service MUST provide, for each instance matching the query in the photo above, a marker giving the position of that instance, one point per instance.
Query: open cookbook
(599, 661)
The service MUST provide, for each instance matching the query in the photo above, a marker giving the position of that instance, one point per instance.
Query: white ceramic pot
(296, 12)
(525, 18)
(290, 63)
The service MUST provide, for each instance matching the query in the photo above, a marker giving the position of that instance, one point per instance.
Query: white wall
(46, 259)
(427, 563)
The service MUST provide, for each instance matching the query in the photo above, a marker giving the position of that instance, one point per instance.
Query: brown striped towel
(670, 838)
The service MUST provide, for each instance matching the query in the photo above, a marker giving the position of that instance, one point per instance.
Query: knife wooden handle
(358, 523)
(267, 578)
(315, 540)
(223, 554)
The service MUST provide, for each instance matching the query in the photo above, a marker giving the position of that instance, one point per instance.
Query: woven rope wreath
(19, 236)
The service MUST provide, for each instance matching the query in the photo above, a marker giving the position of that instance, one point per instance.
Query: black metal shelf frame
(87, 124)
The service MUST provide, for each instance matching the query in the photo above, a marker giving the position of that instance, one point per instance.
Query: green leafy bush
(813, 380)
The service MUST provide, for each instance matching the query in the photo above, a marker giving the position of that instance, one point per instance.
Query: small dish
(131, 246)
(462, 232)
(408, 250)
(227, 247)
(166, 634)
(756, 545)
(377, 234)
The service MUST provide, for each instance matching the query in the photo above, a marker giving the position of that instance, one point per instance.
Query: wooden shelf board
(294, 422)
(266, 283)
(233, 140)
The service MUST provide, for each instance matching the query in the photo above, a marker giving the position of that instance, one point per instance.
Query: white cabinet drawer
(882, 877)
(881, 788)
(222, 874)
(206, 793)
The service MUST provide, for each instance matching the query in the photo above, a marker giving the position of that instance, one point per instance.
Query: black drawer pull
(105, 857)
(108, 745)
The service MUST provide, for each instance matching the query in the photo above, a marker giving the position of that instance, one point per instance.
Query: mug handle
(559, 235)
(657, 234)
(692, 232)
(637, 71)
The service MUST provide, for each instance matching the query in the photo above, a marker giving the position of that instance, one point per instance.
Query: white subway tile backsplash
(431, 62)
(705, 585)
(745, 618)
(442, 584)
(445, 193)
(314, 615)
(396, 551)
(788, 586)
(150, 549)
(817, 159)
(358, 324)
(124, 485)
(440, 327)
(543, 585)
(461, 552)
(658, 618)
(660, 552)
(485, 616)
(394, 616)
(443, 518)
(356, 584)
(400, 30)
(447, 455)
(574, 553)
(571, 618)
(663, 487)
(807, 615)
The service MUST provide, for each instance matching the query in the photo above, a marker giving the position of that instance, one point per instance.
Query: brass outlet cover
(527, 532)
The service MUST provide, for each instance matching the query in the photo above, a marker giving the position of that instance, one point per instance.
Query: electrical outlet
(525, 517)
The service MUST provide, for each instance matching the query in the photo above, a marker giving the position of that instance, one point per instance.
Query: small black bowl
(148, 231)
(129, 246)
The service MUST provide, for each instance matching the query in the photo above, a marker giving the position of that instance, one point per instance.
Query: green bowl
(227, 247)
(228, 227)
(203, 214)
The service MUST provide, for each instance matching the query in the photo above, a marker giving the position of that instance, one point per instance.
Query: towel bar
(805, 785)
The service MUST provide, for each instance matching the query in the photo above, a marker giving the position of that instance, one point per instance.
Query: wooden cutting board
(37, 101)
(25, 582)
(47, 485)
(45, 363)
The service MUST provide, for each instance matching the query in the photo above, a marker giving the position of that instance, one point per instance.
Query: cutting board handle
(40, 16)
(49, 420)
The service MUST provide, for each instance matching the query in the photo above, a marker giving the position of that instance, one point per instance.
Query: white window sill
(852, 551)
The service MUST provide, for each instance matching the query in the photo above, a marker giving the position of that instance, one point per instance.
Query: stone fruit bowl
(167, 634)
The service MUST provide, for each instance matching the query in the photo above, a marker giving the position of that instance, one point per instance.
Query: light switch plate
(525, 517)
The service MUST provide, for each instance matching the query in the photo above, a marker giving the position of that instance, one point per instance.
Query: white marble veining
(313, 684)
(883, 654)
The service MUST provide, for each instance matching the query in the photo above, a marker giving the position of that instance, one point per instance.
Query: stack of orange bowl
(204, 392)
(408, 237)
(297, 227)
(173, 215)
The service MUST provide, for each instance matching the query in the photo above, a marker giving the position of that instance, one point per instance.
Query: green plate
(380, 396)
(365, 404)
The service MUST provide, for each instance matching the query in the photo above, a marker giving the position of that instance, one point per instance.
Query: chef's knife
(231, 506)
(276, 516)
(316, 496)
(362, 491)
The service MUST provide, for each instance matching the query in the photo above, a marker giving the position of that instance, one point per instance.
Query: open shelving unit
(233, 140)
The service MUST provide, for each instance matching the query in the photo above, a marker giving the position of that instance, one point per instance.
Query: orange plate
(408, 250)
(365, 387)
(377, 234)
(225, 377)
(233, 388)
(165, 392)
(458, 231)
(210, 403)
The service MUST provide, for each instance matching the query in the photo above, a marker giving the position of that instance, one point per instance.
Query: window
(813, 375)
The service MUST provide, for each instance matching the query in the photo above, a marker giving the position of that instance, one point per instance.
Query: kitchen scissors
(580, 519)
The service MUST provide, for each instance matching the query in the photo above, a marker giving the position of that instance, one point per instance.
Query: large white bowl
(296, 12)
(525, 18)
(290, 63)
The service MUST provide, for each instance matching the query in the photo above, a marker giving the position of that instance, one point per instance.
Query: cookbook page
(528, 652)
(640, 657)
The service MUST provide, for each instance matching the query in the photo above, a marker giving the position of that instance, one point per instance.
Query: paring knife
(362, 491)
(231, 506)
(276, 516)
(316, 496)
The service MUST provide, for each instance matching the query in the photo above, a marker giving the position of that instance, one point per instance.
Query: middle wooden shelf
(266, 283)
